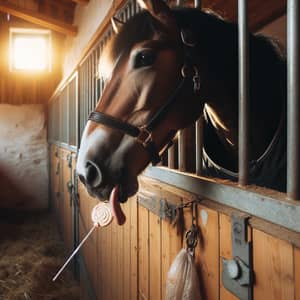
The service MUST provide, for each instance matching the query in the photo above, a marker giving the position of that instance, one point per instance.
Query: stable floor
(31, 252)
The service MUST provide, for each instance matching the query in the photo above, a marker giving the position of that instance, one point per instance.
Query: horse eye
(144, 59)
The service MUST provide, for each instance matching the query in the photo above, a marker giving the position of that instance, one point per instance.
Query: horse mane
(143, 26)
(217, 39)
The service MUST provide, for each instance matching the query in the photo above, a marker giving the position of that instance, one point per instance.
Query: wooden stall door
(55, 178)
(65, 207)
(132, 261)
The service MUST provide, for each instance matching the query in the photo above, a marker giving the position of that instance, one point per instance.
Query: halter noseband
(143, 134)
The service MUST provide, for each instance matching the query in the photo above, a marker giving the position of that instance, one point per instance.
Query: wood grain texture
(226, 252)
(207, 252)
(126, 252)
(273, 267)
(39, 19)
(134, 254)
(68, 209)
(89, 254)
(171, 244)
(154, 257)
(27, 87)
(143, 248)
(297, 272)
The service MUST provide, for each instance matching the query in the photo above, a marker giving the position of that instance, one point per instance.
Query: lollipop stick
(74, 252)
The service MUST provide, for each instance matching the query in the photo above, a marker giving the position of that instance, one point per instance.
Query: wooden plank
(39, 19)
(154, 257)
(280, 232)
(89, 254)
(100, 262)
(68, 214)
(60, 198)
(133, 248)
(226, 252)
(106, 276)
(120, 262)
(297, 272)
(143, 248)
(207, 252)
(171, 244)
(126, 278)
(113, 260)
(273, 267)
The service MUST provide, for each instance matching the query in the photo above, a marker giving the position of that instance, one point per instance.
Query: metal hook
(191, 237)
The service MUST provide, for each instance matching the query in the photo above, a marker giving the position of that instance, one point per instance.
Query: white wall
(23, 157)
(87, 18)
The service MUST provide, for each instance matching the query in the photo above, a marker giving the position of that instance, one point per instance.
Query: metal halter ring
(144, 137)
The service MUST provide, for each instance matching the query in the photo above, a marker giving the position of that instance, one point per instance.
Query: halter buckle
(144, 137)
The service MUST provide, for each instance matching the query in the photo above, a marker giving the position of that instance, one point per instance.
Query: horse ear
(116, 24)
(159, 10)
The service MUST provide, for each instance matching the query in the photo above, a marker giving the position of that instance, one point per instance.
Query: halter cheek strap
(143, 134)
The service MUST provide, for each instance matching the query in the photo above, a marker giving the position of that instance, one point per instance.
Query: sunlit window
(30, 50)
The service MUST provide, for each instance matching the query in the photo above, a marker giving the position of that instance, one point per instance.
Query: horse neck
(267, 101)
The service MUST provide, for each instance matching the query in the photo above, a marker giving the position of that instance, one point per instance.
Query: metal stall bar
(92, 70)
(181, 136)
(199, 126)
(199, 144)
(197, 4)
(243, 37)
(293, 104)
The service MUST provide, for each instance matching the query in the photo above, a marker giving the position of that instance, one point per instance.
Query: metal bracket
(161, 208)
(237, 273)
(75, 190)
(70, 187)
(57, 168)
(69, 159)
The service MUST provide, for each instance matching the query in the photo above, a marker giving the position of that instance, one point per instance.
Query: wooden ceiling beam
(39, 19)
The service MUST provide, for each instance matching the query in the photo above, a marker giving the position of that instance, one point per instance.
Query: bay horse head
(140, 110)
(162, 67)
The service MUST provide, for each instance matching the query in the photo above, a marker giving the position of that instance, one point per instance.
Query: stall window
(30, 50)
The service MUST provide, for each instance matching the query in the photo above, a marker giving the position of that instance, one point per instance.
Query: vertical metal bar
(199, 145)
(243, 92)
(293, 104)
(67, 113)
(77, 114)
(171, 157)
(179, 2)
(93, 80)
(182, 150)
(197, 4)
(89, 74)
(199, 126)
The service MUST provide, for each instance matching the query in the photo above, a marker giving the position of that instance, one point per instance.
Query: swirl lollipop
(102, 215)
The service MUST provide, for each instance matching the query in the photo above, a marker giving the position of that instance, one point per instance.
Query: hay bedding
(30, 255)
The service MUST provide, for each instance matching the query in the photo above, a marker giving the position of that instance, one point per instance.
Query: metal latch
(160, 207)
(70, 188)
(57, 168)
(237, 273)
(69, 159)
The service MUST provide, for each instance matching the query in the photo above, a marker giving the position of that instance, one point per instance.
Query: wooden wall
(132, 261)
(26, 88)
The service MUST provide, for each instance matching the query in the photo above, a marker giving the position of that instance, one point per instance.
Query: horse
(164, 69)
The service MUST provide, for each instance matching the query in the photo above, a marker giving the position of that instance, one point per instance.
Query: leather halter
(143, 134)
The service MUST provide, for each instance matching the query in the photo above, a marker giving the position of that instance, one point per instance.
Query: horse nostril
(93, 174)
(82, 179)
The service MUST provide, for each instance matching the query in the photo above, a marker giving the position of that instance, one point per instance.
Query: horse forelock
(139, 28)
